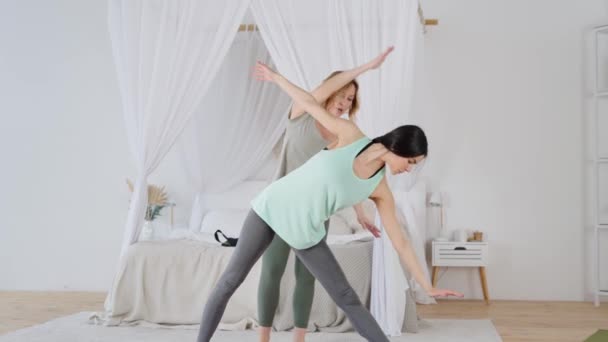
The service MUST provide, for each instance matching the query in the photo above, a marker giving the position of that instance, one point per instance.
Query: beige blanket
(169, 281)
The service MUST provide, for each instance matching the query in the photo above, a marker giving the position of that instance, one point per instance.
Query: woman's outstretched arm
(336, 126)
(364, 221)
(335, 83)
(385, 203)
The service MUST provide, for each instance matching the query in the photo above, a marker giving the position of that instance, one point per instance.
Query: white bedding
(332, 239)
(169, 282)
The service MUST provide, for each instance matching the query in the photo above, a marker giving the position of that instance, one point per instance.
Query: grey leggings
(255, 238)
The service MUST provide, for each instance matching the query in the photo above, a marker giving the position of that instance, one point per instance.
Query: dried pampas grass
(156, 194)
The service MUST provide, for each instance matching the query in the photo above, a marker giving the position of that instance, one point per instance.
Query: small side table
(461, 254)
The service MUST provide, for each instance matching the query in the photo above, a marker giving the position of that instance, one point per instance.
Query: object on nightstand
(460, 235)
(477, 237)
(436, 201)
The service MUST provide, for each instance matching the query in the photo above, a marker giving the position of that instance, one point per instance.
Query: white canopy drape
(167, 54)
(234, 130)
(343, 34)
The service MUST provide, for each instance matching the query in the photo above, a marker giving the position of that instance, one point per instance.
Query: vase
(147, 231)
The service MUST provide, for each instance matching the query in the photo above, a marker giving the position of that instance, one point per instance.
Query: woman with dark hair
(347, 171)
(305, 137)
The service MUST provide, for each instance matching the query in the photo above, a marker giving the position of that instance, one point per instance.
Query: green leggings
(274, 262)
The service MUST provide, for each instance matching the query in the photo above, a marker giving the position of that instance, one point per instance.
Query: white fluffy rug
(75, 328)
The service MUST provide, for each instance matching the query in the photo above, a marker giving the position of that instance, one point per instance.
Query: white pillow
(229, 221)
(238, 197)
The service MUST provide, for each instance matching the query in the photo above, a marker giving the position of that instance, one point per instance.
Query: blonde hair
(352, 112)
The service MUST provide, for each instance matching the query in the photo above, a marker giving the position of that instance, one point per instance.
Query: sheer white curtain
(406, 186)
(236, 126)
(295, 33)
(166, 53)
(309, 40)
(387, 103)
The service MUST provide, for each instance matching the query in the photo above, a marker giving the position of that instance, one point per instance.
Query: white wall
(63, 147)
(505, 121)
(504, 118)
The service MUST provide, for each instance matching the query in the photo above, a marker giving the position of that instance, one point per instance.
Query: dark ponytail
(406, 141)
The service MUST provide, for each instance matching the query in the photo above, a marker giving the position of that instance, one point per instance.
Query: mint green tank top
(297, 205)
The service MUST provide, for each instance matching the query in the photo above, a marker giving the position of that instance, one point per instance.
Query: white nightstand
(461, 254)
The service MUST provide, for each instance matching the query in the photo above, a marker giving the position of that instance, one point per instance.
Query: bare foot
(299, 334)
(264, 333)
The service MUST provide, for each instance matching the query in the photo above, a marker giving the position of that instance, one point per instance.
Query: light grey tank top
(302, 141)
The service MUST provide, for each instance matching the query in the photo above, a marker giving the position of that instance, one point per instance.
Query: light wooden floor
(515, 321)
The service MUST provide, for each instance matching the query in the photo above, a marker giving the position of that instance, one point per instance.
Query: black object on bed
(230, 242)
